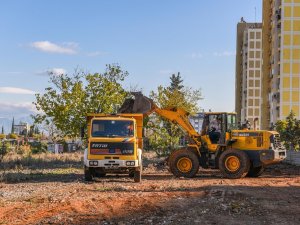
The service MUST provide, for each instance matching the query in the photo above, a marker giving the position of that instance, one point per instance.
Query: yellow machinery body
(237, 152)
(111, 151)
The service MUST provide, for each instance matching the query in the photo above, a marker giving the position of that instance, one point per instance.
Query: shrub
(2, 136)
(13, 136)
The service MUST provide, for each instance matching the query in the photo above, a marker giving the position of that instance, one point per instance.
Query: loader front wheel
(184, 163)
(234, 164)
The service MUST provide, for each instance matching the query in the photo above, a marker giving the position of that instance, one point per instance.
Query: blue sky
(149, 39)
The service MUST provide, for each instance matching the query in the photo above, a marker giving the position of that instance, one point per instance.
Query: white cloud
(47, 46)
(195, 55)
(96, 53)
(53, 71)
(16, 109)
(14, 90)
(224, 53)
(57, 71)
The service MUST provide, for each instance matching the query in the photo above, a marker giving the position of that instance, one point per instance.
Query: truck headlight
(93, 163)
(130, 163)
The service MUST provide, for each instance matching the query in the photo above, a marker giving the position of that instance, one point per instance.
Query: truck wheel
(137, 176)
(184, 163)
(100, 174)
(234, 164)
(255, 171)
(131, 174)
(87, 174)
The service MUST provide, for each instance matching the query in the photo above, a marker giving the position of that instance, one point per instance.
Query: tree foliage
(70, 98)
(165, 135)
(289, 130)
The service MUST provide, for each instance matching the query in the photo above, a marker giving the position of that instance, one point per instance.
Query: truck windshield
(112, 128)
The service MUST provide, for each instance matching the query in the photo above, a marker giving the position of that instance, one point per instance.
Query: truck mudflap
(272, 156)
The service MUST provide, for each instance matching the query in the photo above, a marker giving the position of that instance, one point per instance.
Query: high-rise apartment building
(284, 71)
(280, 71)
(248, 72)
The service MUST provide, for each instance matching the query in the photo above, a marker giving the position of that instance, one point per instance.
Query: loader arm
(180, 117)
(145, 105)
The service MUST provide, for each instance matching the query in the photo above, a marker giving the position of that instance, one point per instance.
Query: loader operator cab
(216, 125)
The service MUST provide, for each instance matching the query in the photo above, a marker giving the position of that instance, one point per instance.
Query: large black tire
(234, 164)
(184, 163)
(131, 174)
(255, 171)
(88, 175)
(137, 176)
(100, 174)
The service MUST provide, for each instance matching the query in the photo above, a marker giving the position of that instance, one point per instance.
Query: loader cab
(216, 128)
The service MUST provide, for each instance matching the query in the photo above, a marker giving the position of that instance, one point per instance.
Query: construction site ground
(60, 196)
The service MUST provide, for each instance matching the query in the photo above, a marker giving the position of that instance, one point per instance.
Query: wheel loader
(235, 152)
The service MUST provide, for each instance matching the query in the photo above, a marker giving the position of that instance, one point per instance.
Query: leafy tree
(2, 130)
(289, 130)
(66, 103)
(165, 135)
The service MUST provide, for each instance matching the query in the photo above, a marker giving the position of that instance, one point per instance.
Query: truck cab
(114, 145)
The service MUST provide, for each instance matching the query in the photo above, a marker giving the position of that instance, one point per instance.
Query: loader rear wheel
(234, 164)
(255, 171)
(184, 163)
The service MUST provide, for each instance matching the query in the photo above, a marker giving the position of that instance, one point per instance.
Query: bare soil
(60, 196)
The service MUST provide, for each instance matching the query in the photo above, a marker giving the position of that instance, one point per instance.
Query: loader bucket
(137, 103)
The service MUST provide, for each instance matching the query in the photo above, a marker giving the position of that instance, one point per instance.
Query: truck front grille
(111, 148)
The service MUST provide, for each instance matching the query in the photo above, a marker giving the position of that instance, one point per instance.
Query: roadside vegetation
(289, 130)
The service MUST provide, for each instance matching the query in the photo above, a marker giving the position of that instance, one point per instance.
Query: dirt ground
(64, 198)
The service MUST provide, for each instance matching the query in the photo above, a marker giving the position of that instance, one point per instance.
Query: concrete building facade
(249, 72)
(280, 71)
(281, 64)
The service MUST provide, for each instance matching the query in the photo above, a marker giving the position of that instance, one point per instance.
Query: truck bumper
(272, 156)
(111, 163)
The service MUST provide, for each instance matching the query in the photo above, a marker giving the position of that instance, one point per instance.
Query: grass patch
(44, 166)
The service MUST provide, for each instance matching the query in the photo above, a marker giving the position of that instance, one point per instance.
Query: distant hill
(7, 122)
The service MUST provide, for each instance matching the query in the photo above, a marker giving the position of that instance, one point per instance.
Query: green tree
(69, 99)
(2, 130)
(165, 135)
(176, 82)
(289, 130)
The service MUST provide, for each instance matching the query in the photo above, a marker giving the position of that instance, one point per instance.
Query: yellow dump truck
(114, 145)
(235, 152)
